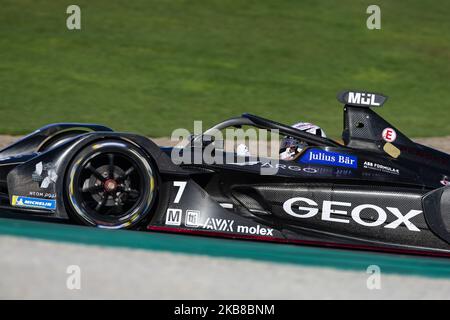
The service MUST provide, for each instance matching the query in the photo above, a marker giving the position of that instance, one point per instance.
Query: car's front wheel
(111, 184)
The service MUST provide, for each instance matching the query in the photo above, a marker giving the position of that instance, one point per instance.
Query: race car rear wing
(363, 128)
(366, 130)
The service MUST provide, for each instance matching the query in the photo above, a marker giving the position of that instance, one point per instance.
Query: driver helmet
(290, 147)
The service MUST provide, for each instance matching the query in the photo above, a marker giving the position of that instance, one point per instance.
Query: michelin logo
(330, 158)
(36, 203)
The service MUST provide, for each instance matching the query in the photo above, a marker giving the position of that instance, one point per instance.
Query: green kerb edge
(276, 253)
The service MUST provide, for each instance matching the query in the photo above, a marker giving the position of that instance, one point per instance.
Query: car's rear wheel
(111, 184)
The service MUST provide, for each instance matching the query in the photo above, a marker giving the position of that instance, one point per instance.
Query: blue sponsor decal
(329, 158)
(36, 203)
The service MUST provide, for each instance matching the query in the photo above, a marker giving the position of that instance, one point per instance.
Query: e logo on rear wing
(361, 99)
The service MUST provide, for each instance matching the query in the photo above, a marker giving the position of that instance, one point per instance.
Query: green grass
(152, 66)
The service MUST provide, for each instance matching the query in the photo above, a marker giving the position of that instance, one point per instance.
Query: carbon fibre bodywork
(376, 191)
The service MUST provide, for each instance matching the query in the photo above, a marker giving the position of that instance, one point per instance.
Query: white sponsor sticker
(306, 208)
(192, 218)
(389, 135)
(173, 217)
(380, 167)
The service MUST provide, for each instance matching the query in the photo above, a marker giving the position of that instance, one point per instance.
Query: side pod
(437, 212)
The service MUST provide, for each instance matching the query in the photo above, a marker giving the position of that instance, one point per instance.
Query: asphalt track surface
(141, 265)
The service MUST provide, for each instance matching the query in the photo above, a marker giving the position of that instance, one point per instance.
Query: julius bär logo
(328, 158)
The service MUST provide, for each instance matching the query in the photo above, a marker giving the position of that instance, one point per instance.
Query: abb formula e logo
(307, 208)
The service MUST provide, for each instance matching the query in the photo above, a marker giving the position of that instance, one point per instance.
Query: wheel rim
(113, 187)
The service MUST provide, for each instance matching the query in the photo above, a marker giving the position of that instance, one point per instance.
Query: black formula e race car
(376, 190)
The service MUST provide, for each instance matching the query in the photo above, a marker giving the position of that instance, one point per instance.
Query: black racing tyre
(110, 184)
